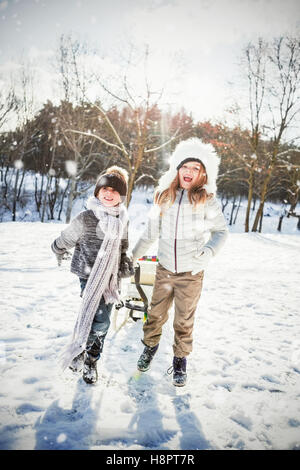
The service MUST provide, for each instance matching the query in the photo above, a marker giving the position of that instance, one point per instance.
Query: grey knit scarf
(103, 280)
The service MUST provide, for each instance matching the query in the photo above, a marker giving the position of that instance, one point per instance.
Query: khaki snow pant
(185, 290)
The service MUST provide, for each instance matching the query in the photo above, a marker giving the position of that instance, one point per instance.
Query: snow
(243, 388)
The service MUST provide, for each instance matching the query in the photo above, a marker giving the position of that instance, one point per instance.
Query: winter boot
(146, 357)
(92, 354)
(90, 374)
(179, 371)
(77, 363)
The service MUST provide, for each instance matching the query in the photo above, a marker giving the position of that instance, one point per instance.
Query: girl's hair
(196, 194)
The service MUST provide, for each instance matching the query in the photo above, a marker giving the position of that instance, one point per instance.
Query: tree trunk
(261, 220)
(52, 198)
(62, 200)
(280, 223)
(224, 204)
(131, 179)
(262, 201)
(14, 207)
(237, 211)
(71, 198)
(38, 193)
(6, 184)
(232, 210)
(257, 217)
(21, 184)
(250, 195)
(44, 203)
(17, 192)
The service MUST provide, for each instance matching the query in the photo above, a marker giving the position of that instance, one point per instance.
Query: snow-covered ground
(243, 388)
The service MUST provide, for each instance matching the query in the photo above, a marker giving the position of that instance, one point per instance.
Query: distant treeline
(68, 143)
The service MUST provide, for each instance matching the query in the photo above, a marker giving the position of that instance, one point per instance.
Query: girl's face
(108, 196)
(189, 173)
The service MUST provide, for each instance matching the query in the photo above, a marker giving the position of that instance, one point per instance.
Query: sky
(195, 45)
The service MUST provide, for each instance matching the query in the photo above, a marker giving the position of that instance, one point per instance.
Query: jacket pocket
(199, 246)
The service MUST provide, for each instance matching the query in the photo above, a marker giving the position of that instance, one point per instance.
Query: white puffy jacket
(183, 232)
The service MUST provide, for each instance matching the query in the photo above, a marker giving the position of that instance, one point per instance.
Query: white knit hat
(192, 149)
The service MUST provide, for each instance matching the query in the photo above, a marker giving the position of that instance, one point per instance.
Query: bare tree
(146, 139)
(25, 112)
(8, 104)
(82, 146)
(283, 104)
(273, 78)
(289, 176)
(256, 65)
(75, 80)
(75, 77)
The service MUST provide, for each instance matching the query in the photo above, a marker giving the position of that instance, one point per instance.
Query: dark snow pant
(100, 325)
(185, 290)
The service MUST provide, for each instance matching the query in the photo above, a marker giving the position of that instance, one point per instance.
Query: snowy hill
(243, 374)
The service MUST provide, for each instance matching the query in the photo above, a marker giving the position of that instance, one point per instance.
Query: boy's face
(109, 197)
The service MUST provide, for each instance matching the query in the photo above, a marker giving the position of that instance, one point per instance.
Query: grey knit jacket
(183, 232)
(84, 234)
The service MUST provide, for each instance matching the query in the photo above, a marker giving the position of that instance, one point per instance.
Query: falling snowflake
(61, 438)
(71, 167)
(18, 164)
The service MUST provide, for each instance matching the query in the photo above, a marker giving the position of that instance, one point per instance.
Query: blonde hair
(196, 193)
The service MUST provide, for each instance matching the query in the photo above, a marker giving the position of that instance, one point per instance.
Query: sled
(137, 295)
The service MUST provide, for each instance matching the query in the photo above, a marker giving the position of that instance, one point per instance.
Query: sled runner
(137, 293)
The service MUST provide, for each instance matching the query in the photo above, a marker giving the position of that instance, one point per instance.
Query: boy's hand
(63, 257)
(126, 266)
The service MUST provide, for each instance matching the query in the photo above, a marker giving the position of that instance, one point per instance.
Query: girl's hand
(201, 261)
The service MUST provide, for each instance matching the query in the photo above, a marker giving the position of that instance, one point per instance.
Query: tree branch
(175, 136)
(90, 134)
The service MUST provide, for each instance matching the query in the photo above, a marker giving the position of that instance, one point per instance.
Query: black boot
(92, 354)
(146, 357)
(179, 371)
(90, 374)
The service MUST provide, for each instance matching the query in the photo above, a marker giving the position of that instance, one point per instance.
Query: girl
(191, 229)
(100, 237)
